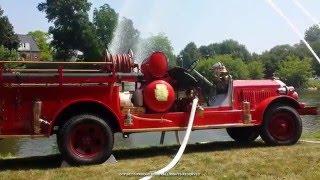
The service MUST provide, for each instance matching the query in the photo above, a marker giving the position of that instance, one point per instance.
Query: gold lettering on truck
(161, 92)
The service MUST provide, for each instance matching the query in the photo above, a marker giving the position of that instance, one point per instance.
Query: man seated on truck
(221, 78)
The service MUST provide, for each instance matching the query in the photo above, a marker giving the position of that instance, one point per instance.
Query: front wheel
(243, 135)
(282, 126)
(85, 139)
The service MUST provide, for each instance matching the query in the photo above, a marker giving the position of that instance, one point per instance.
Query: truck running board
(216, 126)
(21, 136)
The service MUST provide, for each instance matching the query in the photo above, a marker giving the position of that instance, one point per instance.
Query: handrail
(55, 62)
(55, 70)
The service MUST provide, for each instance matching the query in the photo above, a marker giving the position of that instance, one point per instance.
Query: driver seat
(222, 100)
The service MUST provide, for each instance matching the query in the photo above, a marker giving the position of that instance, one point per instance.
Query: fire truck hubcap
(282, 126)
(87, 140)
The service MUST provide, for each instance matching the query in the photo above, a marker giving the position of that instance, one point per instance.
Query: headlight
(286, 90)
(295, 95)
(283, 90)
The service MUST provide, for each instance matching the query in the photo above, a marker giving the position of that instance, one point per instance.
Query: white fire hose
(182, 147)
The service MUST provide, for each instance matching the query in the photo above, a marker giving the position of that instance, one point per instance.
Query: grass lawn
(217, 160)
(312, 136)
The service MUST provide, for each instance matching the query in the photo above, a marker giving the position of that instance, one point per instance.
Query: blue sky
(251, 22)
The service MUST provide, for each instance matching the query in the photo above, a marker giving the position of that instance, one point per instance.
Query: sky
(251, 22)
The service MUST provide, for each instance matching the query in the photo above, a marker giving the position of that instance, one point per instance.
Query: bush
(256, 70)
(8, 55)
(237, 68)
(314, 83)
(295, 72)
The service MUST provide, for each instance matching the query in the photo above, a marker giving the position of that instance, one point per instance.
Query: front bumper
(308, 110)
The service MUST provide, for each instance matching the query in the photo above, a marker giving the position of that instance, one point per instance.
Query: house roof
(28, 39)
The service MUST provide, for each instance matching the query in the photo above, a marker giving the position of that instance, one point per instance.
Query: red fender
(53, 122)
(260, 109)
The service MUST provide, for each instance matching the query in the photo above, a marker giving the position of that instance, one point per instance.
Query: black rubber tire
(243, 135)
(63, 139)
(295, 119)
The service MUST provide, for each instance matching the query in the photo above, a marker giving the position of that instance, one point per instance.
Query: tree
(256, 70)
(210, 50)
(230, 47)
(312, 34)
(235, 49)
(42, 39)
(126, 37)
(8, 55)
(158, 42)
(105, 20)
(189, 54)
(272, 59)
(236, 67)
(8, 38)
(302, 52)
(295, 72)
(72, 29)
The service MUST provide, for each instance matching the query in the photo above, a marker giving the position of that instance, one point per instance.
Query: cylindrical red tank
(156, 66)
(159, 96)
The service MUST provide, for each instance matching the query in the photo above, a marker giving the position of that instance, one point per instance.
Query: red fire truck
(85, 103)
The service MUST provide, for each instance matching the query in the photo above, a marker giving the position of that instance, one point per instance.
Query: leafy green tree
(126, 37)
(189, 54)
(235, 49)
(42, 40)
(158, 42)
(204, 66)
(72, 29)
(210, 50)
(256, 70)
(236, 67)
(302, 52)
(7, 54)
(272, 59)
(295, 72)
(8, 38)
(105, 20)
(230, 47)
(312, 34)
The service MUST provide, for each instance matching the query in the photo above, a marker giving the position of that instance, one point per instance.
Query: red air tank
(159, 96)
(155, 67)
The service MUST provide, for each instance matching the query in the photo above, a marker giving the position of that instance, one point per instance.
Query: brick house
(28, 48)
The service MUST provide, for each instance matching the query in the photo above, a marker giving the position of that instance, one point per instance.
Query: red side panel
(16, 118)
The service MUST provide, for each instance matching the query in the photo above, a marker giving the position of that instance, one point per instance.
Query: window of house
(24, 47)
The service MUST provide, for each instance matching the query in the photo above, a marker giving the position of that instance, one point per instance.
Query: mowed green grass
(312, 136)
(219, 160)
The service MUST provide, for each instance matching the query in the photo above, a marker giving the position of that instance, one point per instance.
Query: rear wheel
(243, 134)
(85, 139)
(282, 126)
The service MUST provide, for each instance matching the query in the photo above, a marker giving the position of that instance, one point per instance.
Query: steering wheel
(193, 65)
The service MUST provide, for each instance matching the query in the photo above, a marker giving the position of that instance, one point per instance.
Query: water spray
(306, 12)
(293, 27)
(117, 34)
(182, 147)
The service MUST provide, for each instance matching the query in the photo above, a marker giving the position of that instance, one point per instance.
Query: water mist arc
(293, 27)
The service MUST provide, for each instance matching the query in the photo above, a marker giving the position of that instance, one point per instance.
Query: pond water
(41, 147)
